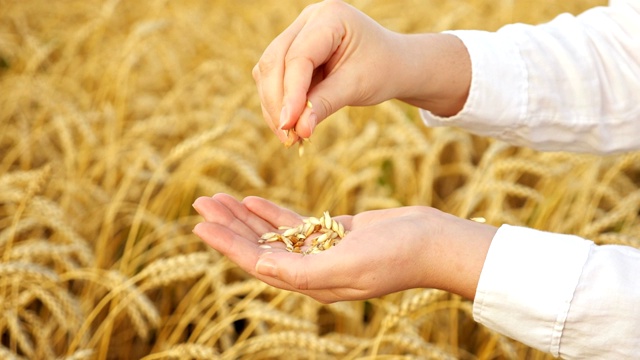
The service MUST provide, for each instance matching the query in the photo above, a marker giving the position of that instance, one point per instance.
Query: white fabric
(572, 84)
(561, 294)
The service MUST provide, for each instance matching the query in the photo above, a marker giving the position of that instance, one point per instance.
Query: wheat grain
(9, 355)
(211, 332)
(27, 273)
(133, 301)
(49, 213)
(403, 343)
(618, 239)
(40, 333)
(178, 268)
(134, 130)
(329, 231)
(506, 347)
(42, 250)
(83, 354)
(24, 225)
(285, 339)
(282, 319)
(64, 308)
(194, 142)
(18, 333)
(627, 210)
(141, 311)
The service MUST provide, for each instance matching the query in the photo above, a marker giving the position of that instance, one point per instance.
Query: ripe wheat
(115, 115)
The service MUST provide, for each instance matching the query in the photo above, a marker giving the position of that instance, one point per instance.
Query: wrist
(456, 254)
(435, 72)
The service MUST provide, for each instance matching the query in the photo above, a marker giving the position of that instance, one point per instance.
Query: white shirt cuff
(527, 284)
(567, 85)
(489, 78)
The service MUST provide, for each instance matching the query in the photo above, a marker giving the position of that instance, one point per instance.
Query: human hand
(333, 55)
(385, 250)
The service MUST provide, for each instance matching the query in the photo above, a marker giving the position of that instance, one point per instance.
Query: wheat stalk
(18, 333)
(116, 115)
(9, 354)
(185, 351)
(285, 339)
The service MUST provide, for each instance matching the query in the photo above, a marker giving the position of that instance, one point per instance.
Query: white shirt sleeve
(561, 294)
(571, 84)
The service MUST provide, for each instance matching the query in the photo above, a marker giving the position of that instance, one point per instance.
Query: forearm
(568, 85)
(434, 72)
(455, 254)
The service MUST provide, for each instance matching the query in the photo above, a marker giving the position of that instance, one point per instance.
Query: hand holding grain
(334, 56)
(384, 251)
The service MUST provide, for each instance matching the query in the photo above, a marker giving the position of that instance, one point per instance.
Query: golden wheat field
(116, 115)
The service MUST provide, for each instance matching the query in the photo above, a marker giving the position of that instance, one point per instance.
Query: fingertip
(212, 235)
(222, 197)
(292, 110)
(197, 230)
(307, 127)
(284, 118)
(285, 111)
(251, 199)
(199, 203)
(307, 123)
(259, 205)
(201, 199)
(312, 121)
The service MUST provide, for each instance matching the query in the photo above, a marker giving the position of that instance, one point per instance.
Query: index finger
(314, 45)
(272, 213)
(269, 73)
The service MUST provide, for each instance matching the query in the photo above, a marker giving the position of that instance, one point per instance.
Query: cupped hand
(332, 55)
(385, 250)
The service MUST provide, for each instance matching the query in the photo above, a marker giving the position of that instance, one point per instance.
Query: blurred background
(116, 115)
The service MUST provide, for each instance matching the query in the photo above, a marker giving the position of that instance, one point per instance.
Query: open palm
(385, 250)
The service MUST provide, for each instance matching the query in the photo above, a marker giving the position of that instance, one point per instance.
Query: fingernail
(196, 229)
(267, 267)
(284, 117)
(313, 121)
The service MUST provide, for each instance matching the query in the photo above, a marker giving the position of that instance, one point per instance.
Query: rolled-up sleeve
(561, 294)
(571, 84)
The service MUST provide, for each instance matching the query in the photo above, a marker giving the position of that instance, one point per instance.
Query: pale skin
(335, 56)
(385, 250)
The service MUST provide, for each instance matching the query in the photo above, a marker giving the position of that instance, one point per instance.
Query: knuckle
(308, 10)
(290, 57)
(329, 6)
(326, 106)
(255, 72)
(295, 57)
(267, 63)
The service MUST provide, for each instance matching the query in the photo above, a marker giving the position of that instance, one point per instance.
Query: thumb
(300, 273)
(327, 97)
